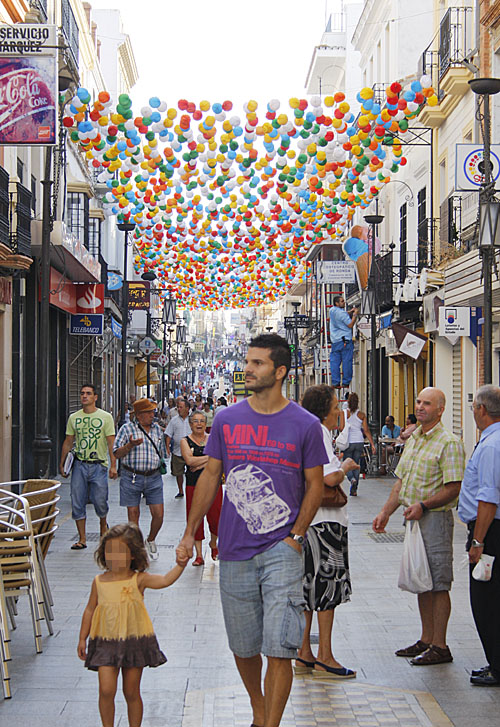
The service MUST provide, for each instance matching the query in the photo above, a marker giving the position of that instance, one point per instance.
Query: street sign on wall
(138, 296)
(303, 321)
(469, 166)
(454, 321)
(334, 272)
(88, 324)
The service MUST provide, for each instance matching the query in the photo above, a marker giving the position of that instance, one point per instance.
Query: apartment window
(95, 236)
(33, 195)
(422, 228)
(77, 216)
(20, 170)
(403, 241)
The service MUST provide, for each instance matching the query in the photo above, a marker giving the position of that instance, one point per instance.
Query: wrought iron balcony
(4, 207)
(70, 30)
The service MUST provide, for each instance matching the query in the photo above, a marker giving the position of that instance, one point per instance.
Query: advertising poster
(28, 85)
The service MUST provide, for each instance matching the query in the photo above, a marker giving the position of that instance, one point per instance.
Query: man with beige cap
(141, 447)
(429, 475)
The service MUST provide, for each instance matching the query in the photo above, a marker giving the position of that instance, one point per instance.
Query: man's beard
(257, 385)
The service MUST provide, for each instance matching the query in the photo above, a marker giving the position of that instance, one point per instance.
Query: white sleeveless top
(355, 428)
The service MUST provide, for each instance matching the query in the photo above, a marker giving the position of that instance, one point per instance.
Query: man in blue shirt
(479, 508)
(341, 325)
(390, 429)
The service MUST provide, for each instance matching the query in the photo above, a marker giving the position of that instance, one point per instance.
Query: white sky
(222, 49)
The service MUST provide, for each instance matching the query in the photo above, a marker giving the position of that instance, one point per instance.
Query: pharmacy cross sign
(148, 346)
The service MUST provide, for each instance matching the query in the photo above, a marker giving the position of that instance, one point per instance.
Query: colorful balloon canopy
(226, 206)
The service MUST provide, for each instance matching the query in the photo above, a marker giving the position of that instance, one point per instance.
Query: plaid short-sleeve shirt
(144, 457)
(430, 461)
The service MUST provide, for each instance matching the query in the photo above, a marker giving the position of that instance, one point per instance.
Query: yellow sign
(238, 377)
(86, 321)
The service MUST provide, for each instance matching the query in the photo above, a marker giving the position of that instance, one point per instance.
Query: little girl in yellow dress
(115, 618)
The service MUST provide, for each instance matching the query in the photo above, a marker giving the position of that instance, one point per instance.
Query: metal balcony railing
(455, 38)
(21, 225)
(70, 30)
(4, 207)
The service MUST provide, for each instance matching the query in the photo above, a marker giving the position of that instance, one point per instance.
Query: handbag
(342, 441)
(163, 464)
(333, 496)
(414, 572)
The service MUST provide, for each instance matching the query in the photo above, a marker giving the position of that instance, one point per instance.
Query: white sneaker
(152, 549)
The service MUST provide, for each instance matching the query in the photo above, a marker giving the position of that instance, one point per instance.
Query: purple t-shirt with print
(264, 457)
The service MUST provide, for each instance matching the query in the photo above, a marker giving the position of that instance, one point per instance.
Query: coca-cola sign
(28, 85)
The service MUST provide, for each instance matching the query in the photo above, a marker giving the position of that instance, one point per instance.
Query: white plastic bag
(414, 572)
(482, 569)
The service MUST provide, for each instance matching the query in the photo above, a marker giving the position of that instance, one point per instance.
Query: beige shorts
(177, 465)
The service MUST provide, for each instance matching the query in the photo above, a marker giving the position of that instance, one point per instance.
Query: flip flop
(78, 546)
(333, 673)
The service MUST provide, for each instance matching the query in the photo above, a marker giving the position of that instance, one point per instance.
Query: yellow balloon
(252, 105)
(204, 105)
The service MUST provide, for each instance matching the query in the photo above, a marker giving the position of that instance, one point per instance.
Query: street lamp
(169, 312)
(369, 307)
(489, 233)
(125, 227)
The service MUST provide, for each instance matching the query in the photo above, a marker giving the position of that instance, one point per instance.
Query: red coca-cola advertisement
(28, 100)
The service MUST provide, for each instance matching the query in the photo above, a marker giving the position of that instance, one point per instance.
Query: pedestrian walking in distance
(141, 447)
(272, 454)
(91, 432)
(429, 475)
(115, 618)
(479, 509)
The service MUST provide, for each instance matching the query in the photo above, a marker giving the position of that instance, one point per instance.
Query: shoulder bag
(163, 464)
(342, 441)
(333, 496)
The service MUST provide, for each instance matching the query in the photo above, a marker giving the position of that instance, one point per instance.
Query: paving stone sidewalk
(199, 686)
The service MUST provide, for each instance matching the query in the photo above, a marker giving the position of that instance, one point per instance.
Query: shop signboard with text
(28, 85)
(138, 296)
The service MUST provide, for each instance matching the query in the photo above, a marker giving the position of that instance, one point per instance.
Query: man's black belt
(146, 473)
(90, 461)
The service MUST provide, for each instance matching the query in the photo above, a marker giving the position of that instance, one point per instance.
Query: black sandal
(78, 546)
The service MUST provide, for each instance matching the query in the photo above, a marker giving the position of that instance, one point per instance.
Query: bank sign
(88, 324)
(28, 85)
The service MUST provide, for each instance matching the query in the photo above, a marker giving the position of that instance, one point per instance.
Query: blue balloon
(154, 102)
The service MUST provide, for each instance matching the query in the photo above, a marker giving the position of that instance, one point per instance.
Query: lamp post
(369, 307)
(296, 306)
(489, 232)
(125, 227)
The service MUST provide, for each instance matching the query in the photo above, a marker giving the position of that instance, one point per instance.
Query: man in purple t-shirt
(271, 452)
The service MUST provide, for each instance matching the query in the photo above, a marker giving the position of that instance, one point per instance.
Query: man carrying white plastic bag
(429, 474)
(414, 572)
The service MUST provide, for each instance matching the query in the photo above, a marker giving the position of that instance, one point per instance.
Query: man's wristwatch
(424, 507)
(476, 544)
(298, 538)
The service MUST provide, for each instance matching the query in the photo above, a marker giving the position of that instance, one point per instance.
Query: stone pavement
(199, 686)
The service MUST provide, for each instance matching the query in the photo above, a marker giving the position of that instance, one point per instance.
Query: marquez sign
(28, 85)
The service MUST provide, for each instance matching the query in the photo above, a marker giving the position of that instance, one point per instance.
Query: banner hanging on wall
(28, 85)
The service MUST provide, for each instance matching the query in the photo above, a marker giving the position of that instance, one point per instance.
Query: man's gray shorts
(437, 533)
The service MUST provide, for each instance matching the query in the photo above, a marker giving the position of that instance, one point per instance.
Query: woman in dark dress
(193, 453)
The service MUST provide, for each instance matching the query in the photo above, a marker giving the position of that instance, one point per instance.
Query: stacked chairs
(19, 573)
(42, 497)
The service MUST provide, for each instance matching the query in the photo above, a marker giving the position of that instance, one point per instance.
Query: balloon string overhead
(226, 207)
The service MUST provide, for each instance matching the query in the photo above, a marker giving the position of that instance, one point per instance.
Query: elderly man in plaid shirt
(429, 477)
(141, 447)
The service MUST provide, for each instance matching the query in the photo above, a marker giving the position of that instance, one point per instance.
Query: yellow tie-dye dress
(121, 632)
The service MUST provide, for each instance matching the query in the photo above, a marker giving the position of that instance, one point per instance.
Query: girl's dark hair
(353, 402)
(132, 536)
(318, 400)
